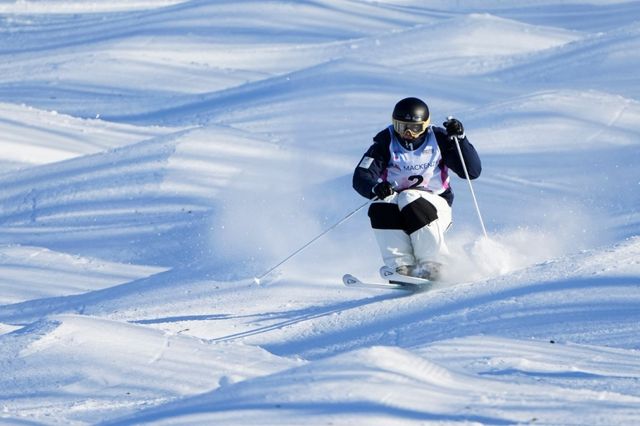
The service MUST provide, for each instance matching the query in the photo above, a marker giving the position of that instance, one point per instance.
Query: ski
(353, 281)
(394, 281)
(389, 274)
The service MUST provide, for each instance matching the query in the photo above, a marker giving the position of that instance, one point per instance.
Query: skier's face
(410, 134)
(410, 130)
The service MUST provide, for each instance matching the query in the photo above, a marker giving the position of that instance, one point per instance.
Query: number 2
(418, 178)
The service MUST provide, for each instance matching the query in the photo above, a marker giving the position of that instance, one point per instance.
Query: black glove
(383, 190)
(454, 128)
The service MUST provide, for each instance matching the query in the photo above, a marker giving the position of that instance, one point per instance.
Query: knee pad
(413, 216)
(417, 214)
(385, 216)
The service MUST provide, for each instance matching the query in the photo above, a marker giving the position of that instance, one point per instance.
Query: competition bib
(420, 168)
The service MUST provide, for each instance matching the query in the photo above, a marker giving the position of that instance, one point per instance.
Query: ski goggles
(415, 129)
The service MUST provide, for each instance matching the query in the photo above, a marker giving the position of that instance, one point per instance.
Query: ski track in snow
(158, 155)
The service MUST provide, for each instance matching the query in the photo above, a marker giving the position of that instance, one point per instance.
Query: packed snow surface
(160, 157)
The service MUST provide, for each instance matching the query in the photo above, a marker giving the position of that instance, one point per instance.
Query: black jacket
(365, 179)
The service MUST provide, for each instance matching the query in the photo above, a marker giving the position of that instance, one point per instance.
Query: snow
(158, 156)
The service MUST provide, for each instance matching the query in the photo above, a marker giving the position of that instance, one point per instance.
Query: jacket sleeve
(451, 157)
(372, 165)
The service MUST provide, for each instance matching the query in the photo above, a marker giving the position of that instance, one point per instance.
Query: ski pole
(316, 238)
(473, 195)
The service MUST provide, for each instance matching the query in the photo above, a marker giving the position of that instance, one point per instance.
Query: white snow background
(159, 155)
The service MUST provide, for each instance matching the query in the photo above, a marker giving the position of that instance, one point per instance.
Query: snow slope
(158, 156)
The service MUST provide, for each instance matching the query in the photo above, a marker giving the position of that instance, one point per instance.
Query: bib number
(418, 180)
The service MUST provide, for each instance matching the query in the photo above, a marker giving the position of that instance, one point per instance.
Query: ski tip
(349, 279)
(386, 272)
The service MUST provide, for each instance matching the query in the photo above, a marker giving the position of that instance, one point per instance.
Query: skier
(406, 168)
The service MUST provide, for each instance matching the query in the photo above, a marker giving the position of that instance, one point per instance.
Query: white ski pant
(409, 227)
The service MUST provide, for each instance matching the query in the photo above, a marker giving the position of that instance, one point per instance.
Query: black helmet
(410, 118)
